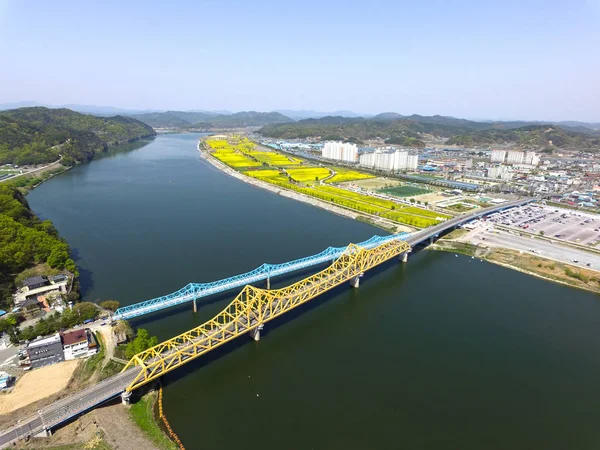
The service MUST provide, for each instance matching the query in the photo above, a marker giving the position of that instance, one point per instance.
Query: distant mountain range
(414, 130)
(208, 120)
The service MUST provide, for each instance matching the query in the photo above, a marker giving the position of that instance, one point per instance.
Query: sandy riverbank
(374, 220)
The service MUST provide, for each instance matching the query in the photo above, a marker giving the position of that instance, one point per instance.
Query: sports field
(405, 191)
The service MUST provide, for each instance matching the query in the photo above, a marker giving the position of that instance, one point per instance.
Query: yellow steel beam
(253, 307)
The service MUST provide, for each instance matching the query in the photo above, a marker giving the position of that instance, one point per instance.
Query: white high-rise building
(412, 162)
(340, 151)
(498, 155)
(496, 172)
(514, 157)
(532, 158)
(389, 161)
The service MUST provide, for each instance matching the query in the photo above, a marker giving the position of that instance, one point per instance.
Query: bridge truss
(253, 307)
(193, 291)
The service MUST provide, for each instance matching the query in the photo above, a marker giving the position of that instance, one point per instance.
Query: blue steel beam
(194, 291)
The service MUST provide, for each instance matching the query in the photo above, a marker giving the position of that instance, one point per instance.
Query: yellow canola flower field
(304, 174)
(275, 159)
(235, 160)
(342, 175)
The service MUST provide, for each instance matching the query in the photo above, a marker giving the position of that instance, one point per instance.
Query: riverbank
(537, 266)
(379, 222)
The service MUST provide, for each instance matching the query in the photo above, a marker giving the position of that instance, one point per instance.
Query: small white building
(79, 344)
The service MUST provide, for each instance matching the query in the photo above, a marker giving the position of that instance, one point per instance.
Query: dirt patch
(376, 183)
(38, 384)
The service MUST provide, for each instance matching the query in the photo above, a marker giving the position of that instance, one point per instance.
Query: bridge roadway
(194, 291)
(75, 404)
(432, 232)
(69, 407)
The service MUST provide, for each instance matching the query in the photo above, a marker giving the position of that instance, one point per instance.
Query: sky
(477, 59)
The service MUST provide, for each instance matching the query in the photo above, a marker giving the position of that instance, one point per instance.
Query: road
(541, 247)
(33, 171)
(437, 229)
(69, 407)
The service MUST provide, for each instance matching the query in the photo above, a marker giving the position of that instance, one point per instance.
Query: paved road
(69, 407)
(542, 247)
(433, 231)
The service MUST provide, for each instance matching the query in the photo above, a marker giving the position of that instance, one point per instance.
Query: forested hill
(414, 130)
(25, 241)
(535, 136)
(209, 121)
(39, 135)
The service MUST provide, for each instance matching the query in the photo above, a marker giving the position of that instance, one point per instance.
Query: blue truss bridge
(194, 291)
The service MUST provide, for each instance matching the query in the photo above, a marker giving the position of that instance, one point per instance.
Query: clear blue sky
(515, 59)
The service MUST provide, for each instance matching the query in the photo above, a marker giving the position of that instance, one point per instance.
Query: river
(443, 352)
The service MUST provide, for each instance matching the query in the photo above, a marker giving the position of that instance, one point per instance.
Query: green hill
(173, 119)
(532, 136)
(39, 135)
(243, 119)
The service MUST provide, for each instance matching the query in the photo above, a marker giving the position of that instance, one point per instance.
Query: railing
(253, 307)
(194, 291)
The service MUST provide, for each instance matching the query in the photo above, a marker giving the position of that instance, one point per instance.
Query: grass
(142, 413)
(342, 175)
(459, 207)
(96, 443)
(405, 191)
(306, 174)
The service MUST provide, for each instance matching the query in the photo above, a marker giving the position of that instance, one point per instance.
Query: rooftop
(44, 341)
(73, 337)
(32, 281)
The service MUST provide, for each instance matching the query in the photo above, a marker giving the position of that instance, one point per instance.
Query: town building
(514, 157)
(498, 156)
(41, 285)
(340, 151)
(79, 344)
(391, 161)
(45, 351)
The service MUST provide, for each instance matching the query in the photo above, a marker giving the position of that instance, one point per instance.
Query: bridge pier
(404, 257)
(126, 398)
(255, 333)
(268, 283)
(195, 307)
(355, 282)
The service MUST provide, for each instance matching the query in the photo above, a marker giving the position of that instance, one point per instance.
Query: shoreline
(340, 211)
(467, 249)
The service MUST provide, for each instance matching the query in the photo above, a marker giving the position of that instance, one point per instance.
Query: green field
(405, 191)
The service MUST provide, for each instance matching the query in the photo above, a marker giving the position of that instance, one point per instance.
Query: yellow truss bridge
(253, 307)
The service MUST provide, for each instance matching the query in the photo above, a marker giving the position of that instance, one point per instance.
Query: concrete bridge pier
(404, 256)
(268, 283)
(195, 306)
(355, 282)
(126, 398)
(255, 334)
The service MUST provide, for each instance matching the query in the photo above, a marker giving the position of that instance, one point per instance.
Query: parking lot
(569, 225)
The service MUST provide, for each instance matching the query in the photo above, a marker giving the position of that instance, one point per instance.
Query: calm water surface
(444, 352)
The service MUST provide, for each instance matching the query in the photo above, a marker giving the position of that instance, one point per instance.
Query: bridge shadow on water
(271, 326)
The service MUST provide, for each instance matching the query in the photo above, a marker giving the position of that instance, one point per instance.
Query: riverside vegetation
(297, 175)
